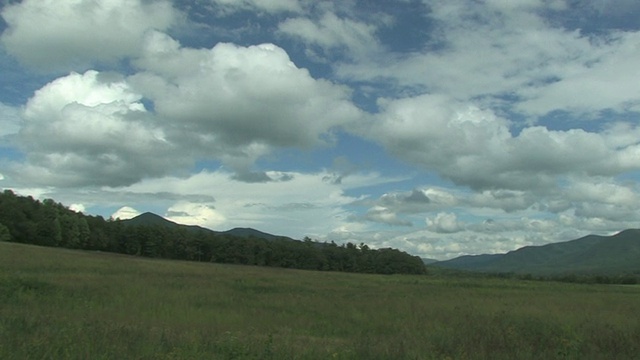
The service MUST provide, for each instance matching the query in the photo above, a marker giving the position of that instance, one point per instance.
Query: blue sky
(441, 128)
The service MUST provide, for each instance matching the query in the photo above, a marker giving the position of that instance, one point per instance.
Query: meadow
(68, 304)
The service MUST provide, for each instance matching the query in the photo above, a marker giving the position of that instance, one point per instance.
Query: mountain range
(152, 219)
(592, 254)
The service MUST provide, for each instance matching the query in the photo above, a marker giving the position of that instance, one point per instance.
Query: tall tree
(49, 227)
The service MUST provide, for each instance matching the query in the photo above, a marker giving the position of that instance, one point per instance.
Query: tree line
(48, 223)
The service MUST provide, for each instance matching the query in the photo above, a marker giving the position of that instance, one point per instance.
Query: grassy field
(63, 304)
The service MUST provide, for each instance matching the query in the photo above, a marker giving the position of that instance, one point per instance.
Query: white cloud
(125, 212)
(461, 105)
(444, 223)
(506, 5)
(498, 49)
(230, 103)
(195, 214)
(89, 89)
(304, 205)
(493, 221)
(269, 6)
(603, 192)
(237, 103)
(479, 51)
(91, 129)
(600, 200)
(603, 82)
(416, 201)
(77, 207)
(506, 200)
(77, 33)
(484, 203)
(459, 222)
(474, 147)
(384, 215)
(330, 32)
(491, 236)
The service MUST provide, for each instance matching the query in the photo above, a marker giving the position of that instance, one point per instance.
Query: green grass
(64, 304)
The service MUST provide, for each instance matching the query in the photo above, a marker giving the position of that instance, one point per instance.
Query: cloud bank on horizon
(439, 128)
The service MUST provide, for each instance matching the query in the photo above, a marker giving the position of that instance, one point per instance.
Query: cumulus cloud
(602, 200)
(195, 214)
(415, 201)
(239, 102)
(474, 147)
(230, 103)
(381, 214)
(502, 220)
(91, 128)
(436, 199)
(392, 208)
(506, 200)
(444, 223)
(77, 207)
(447, 237)
(603, 191)
(78, 33)
(450, 245)
(125, 212)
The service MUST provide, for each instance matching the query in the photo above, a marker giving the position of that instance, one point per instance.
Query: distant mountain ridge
(428, 261)
(592, 254)
(152, 219)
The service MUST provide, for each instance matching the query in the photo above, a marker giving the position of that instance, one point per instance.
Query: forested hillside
(48, 223)
(599, 256)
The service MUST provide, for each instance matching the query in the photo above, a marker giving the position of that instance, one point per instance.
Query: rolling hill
(592, 254)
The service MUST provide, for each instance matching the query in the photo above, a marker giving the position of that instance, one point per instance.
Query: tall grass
(63, 304)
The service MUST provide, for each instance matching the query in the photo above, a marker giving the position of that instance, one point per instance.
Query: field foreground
(64, 304)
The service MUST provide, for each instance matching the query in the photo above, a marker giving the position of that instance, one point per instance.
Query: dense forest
(48, 223)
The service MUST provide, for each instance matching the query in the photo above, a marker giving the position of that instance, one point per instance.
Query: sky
(440, 128)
